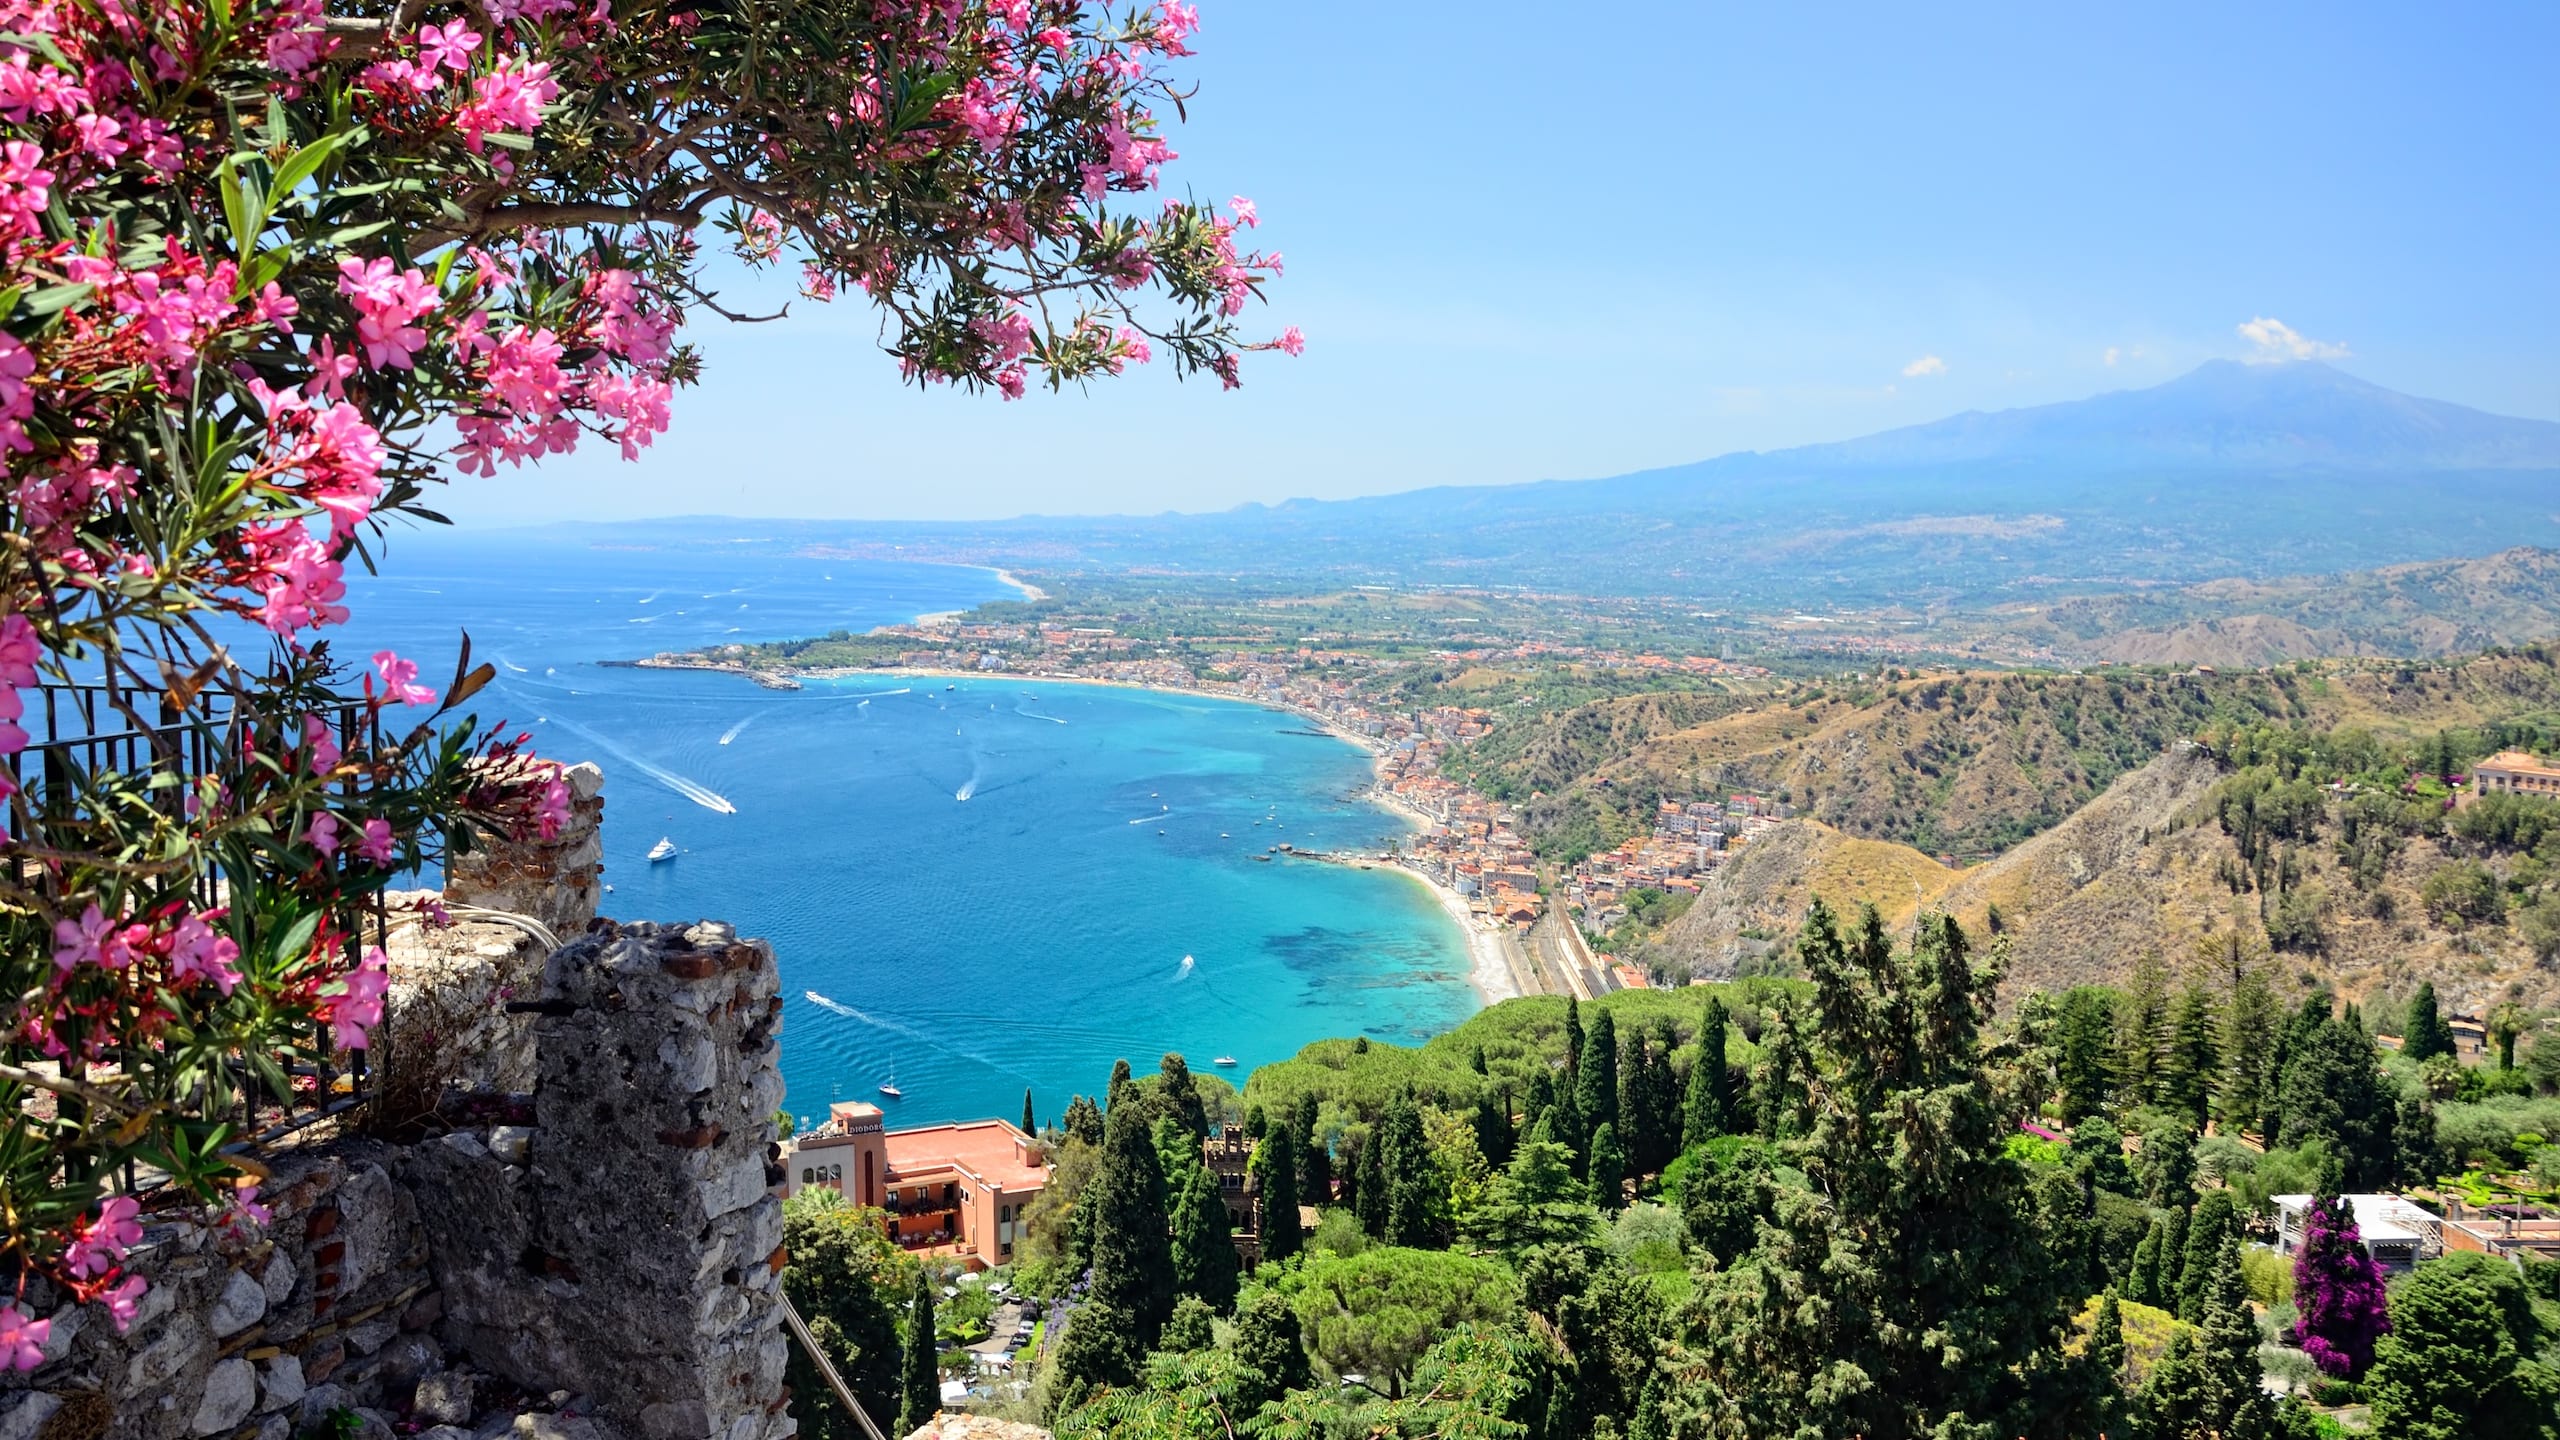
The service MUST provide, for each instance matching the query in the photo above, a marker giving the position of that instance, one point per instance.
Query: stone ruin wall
(584, 1247)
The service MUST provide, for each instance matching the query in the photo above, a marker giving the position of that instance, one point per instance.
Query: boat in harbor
(665, 849)
(890, 1088)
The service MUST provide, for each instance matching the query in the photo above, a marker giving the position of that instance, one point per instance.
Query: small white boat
(665, 849)
(1225, 1062)
(890, 1087)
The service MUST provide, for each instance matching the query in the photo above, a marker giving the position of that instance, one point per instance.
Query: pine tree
(1274, 1168)
(1193, 1327)
(2107, 1350)
(2216, 1223)
(919, 1383)
(2338, 1293)
(1179, 1096)
(2251, 1023)
(1029, 1125)
(2142, 1023)
(1708, 1110)
(1608, 1169)
(1871, 1263)
(1204, 1247)
(2173, 1399)
(1595, 1085)
(2194, 1059)
(2426, 1035)
(2461, 1360)
(2084, 1051)
(1132, 1249)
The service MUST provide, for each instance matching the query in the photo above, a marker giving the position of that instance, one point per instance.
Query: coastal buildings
(960, 1189)
(1691, 839)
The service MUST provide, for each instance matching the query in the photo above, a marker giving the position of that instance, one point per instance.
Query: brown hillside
(2137, 872)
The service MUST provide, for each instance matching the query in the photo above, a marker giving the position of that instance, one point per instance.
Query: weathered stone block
(243, 1303)
(281, 1384)
(445, 1399)
(230, 1393)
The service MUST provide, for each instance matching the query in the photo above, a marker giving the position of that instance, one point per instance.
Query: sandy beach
(1488, 967)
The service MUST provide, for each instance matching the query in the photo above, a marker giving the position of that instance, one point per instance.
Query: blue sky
(1536, 241)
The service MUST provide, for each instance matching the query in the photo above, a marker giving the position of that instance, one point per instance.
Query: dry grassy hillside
(2140, 871)
(1970, 764)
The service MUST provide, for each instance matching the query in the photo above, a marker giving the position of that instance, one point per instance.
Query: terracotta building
(2516, 773)
(961, 1189)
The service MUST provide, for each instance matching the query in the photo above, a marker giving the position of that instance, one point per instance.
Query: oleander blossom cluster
(275, 267)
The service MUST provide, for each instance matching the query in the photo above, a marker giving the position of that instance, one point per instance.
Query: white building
(2396, 1232)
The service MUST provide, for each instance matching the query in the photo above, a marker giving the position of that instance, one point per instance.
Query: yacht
(1225, 1062)
(890, 1087)
(665, 849)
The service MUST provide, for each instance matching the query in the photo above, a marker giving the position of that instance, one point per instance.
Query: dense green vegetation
(1795, 1208)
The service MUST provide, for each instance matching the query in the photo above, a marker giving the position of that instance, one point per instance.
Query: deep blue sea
(993, 884)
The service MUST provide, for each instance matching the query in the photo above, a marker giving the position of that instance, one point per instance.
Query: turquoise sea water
(994, 884)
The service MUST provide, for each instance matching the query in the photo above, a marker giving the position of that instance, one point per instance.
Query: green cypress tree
(1708, 1110)
(1083, 1120)
(1179, 1096)
(2236, 1404)
(2173, 1257)
(2461, 1360)
(1315, 1162)
(919, 1380)
(1777, 1085)
(1649, 1423)
(1121, 1088)
(1372, 1202)
(1572, 1039)
(1476, 1062)
(2216, 1222)
(2173, 1400)
(1193, 1327)
(1270, 1351)
(1274, 1168)
(2142, 1282)
(1204, 1247)
(2106, 1362)
(1029, 1125)
(1132, 1246)
(2251, 1026)
(1493, 1132)
(2426, 1035)
(1416, 1205)
(1595, 1085)
(1608, 1169)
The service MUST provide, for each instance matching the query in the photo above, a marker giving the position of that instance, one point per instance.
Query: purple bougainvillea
(2337, 1288)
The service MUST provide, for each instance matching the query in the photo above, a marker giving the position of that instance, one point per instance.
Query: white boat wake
(734, 729)
(1184, 973)
(699, 794)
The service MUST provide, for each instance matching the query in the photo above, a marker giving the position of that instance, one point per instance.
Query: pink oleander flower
(123, 1300)
(298, 41)
(89, 940)
(509, 98)
(377, 844)
(1292, 342)
(357, 1006)
(99, 1244)
(1244, 212)
(448, 46)
(400, 680)
(242, 1216)
(19, 651)
(388, 300)
(323, 742)
(22, 1338)
(551, 813)
(199, 952)
(322, 835)
(300, 582)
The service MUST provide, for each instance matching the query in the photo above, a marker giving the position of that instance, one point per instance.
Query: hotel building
(961, 1190)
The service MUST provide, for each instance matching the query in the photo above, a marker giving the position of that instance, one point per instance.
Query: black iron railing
(78, 734)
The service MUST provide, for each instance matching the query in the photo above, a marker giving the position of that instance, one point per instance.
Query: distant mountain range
(2232, 470)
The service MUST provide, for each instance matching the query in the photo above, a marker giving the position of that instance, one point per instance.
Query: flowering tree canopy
(271, 267)
(2338, 1290)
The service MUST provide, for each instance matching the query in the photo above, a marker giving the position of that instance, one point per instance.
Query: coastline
(1491, 971)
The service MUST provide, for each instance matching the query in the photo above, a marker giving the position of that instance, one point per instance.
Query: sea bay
(987, 884)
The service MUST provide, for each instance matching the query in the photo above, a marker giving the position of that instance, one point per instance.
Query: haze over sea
(1096, 895)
